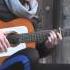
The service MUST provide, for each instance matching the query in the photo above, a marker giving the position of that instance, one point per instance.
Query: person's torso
(5, 14)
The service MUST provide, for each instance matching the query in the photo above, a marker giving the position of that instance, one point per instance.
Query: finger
(49, 39)
(59, 36)
(1, 48)
(4, 41)
(55, 38)
(7, 42)
(52, 37)
(48, 43)
(3, 44)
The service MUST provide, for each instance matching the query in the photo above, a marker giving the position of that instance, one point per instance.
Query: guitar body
(22, 25)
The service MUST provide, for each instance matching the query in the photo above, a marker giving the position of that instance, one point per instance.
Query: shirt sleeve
(43, 50)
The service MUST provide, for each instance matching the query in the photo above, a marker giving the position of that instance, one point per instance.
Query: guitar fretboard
(34, 37)
(41, 35)
(65, 32)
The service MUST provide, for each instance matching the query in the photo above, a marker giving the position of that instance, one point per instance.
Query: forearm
(43, 50)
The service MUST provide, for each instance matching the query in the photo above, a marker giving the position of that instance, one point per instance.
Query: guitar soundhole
(13, 38)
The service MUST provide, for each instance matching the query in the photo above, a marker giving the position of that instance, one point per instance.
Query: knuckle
(2, 37)
(53, 32)
(49, 39)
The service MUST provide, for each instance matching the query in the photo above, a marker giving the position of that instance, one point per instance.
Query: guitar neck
(39, 36)
(65, 32)
(34, 37)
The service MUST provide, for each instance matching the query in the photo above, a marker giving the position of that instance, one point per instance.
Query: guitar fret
(38, 37)
(32, 36)
(29, 37)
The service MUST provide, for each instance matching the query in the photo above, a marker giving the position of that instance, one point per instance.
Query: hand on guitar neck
(53, 39)
(6, 40)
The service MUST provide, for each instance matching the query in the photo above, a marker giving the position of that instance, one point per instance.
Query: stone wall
(66, 40)
(61, 53)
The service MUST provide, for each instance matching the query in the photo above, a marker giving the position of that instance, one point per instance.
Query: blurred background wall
(54, 14)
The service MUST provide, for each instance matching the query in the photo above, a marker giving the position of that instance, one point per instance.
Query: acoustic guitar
(20, 26)
(23, 36)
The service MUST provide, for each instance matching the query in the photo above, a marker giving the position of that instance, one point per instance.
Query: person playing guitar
(26, 9)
